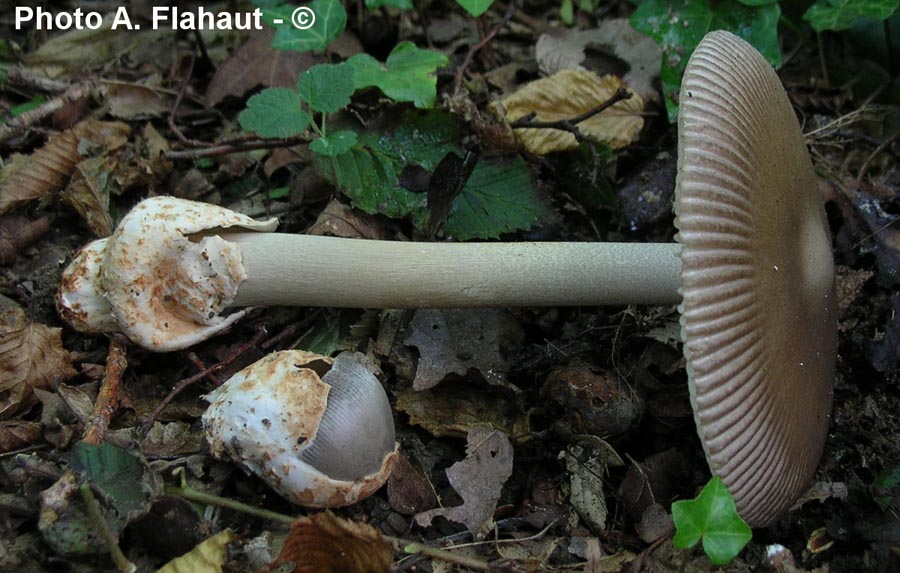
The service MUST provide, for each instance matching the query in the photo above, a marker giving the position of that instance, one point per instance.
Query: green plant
(842, 14)
(712, 517)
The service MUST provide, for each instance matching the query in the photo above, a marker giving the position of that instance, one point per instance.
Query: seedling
(712, 517)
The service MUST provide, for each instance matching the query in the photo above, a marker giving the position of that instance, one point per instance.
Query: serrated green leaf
(713, 517)
(399, 4)
(330, 21)
(679, 25)
(407, 75)
(842, 14)
(274, 112)
(334, 144)
(326, 88)
(498, 198)
(475, 7)
(122, 475)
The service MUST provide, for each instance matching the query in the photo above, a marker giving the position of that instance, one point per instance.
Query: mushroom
(318, 431)
(752, 269)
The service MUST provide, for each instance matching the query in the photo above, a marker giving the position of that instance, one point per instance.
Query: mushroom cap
(167, 275)
(758, 312)
(319, 441)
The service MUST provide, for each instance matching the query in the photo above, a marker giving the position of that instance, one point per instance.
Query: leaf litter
(554, 497)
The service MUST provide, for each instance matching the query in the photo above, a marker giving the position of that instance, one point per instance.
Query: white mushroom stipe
(319, 441)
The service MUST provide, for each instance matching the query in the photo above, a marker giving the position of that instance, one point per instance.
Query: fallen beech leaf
(88, 193)
(341, 220)
(456, 407)
(324, 543)
(568, 49)
(136, 101)
(15, 435)
(409, 490)
(565, 95)
(49, 168)
(478, 479)
(31, 356)
(208, 557)
(17, 233)
(587, 469)
(456, 341)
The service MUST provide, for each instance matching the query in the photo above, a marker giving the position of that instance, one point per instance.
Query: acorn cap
(758, 312)
(167, 276)
(319, 441)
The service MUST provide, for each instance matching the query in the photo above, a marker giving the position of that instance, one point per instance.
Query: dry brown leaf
(130, 101)
(31, 356)
(16, 434)
(560, 49)
(324, 543)
(456, 341)
(478, 479)
(48, 169)
(455, 407)
(26, 178)
(88, 193)
(565, 95)
(409, 490)
(17, 233)
(341, 220)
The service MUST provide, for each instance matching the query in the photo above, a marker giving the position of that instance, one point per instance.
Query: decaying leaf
(478, 479)
(31, 356)
(88, 193)
(457, 341)
(16, 434)
(456, 407)
(131, 101)
(409, 490)
(569, 49)
(587, 470)
(207, 557)
(324, 543)
(565, 95)
(17, 233)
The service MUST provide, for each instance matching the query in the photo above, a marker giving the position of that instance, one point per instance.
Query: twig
(571, 124)
(108, 398)
(461, 70)
(864, 170)
(403, 545)
(112, 543)
(184, 383)
(236, 147)
(25, 78)
(171, 119)
(22, 122)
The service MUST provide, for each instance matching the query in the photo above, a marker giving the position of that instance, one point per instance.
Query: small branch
(18, 124)
(108, 398)
(178, 99)
(441, 554)
(235, 147)
(25, 78)
(461, 70)
(112, 543)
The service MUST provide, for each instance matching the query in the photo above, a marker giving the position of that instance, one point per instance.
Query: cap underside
(758, 317)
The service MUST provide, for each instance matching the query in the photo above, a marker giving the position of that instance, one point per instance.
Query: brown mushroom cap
(758, 312)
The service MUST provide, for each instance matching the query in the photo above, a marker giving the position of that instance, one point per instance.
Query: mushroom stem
(304, 270)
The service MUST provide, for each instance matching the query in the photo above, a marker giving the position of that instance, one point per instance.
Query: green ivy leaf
(407, 75)
(842, 14)
(327, 87)
(399, 4)
(274, 112)
(713, 517)
(475, 8)
(679, 25)
(331, 19)
(498, 198)
(334, 144)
